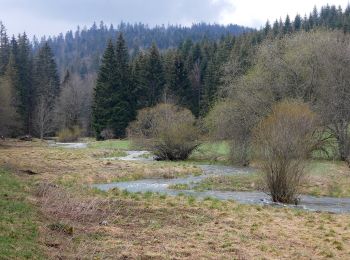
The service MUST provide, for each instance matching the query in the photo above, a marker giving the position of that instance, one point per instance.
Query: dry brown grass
(81, 166)
(60, 204)
(173, 228)
(154, 227)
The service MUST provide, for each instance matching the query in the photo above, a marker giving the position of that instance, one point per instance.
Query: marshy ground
(49, 210)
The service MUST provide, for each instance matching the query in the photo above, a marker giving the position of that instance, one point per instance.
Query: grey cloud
(84, 12)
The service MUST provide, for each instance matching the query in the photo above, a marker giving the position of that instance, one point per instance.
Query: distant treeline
(81, 50)
(183, 65)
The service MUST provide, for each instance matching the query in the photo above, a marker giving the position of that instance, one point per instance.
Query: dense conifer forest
(135, 67)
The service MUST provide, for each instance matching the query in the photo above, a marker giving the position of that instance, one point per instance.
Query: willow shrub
(283, 141)
(168, 131)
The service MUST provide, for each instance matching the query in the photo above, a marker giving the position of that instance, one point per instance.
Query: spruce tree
(45, 74)
(25, 91)
(297, 23)
(211, 83)
(4, 49)
(123, 110)
(287, 28)
(103, 92)
(47, 88)
(267, 28)
(154, 76)
(275, 28)
(177, 80)
(139, 79)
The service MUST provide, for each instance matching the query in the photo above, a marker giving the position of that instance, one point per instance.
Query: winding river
(324, 204)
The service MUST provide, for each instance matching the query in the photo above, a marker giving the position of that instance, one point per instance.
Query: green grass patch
(18, 230)
(211, 152)
(111, 144)
(328, 178)
(179, 186)
(244, 182)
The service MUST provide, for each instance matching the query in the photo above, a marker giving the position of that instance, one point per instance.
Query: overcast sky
(50, 17)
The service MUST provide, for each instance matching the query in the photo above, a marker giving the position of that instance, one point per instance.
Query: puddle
(137, 156)
(68, 145)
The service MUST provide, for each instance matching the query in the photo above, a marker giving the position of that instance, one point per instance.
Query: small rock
(104, 223)
(30, 172)
(26, 138)
(54, 245)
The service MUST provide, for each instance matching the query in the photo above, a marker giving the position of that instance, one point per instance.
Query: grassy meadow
(49, 211)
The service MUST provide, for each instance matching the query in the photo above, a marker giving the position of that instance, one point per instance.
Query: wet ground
(335, 205)
(326, 204)
(68, 145)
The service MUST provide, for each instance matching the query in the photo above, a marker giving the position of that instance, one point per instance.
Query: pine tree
(314, 19)
(267, 28)
(103, 92)
(123, 110)
(46, 77)
(154, 76)
(25, 91)
(297, 23)
(287, 28)
(47, 88)
(275, 28)
(4, 49)
(211, 84)
(178, 81)
(139, 79)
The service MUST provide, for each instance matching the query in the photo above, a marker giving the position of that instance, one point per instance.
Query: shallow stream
(326, 204)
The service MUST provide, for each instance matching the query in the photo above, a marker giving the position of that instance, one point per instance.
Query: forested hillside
(191, 67)
(80, 51)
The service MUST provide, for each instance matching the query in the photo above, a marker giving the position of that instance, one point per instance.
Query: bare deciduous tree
(230, 121)
(43, 117)
(333, 102)
(313, 67)
(74, 103)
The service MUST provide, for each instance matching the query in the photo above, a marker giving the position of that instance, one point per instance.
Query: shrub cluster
(71, 134)
(283, 141)
(169, 131)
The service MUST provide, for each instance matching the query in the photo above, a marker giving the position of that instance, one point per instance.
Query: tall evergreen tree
(267, 28)
(297, 23)
(25, 91)
(47, 88)
(154, 76)
(4, 49)
(287, 28)
(46, 77)
(178, 81)
(139, 78)
(211, 83)
(275, 28)
(123, 110)
(103, 92)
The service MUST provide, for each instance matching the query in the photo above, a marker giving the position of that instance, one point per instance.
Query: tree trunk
(343, 142)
